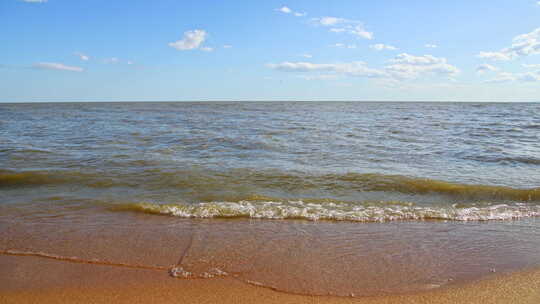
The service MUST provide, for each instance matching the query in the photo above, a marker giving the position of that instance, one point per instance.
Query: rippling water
(339, 166)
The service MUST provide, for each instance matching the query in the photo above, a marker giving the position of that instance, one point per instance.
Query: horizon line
(265, 100)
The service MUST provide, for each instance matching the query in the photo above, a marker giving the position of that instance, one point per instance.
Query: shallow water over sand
(303, 257)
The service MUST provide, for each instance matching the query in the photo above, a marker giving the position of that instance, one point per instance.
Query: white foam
(179, 272)
(373, 212)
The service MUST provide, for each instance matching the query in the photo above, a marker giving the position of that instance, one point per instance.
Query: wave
(212, 184)
(10, 178)
(346, 211)
(527, 160)
(39, 178)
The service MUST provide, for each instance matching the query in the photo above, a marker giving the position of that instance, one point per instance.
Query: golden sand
(37, 280)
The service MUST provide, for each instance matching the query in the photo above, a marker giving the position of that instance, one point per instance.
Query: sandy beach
(39, 280)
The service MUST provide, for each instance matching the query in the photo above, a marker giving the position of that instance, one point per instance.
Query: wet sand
(38, 280)
(292, 257)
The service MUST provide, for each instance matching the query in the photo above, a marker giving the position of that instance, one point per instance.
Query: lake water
(342, 198)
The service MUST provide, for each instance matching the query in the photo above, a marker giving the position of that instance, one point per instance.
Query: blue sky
(171, 50)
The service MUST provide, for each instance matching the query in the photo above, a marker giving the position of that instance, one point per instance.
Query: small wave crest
(54, 177)
(528, 160)
(363, 212)
(211, 183)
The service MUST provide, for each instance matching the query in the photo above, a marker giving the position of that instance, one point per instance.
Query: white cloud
(528, 77)
(402, 67)
(405, 58)
(192, 40)
(35, 1)
(302, 66)
(497, 56)
(206, 49)
(502, 77)
(319, 77)
(522, 45)
(285, 10)
(342, 25)
(82, 56)
(361, 32)
(405, 66)
(341, 45)
(116, 60)
(56, 66)
(431, 46)
(381, 46)
(531, 66)
(512, 77)
(227, 46)
(329, 21)
(485, 68)
(357, 69)
(306, 55)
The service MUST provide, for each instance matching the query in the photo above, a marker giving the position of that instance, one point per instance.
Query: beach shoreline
(33, 279)
(280, 202)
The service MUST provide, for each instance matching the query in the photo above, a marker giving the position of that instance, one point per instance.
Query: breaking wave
(355, 212)
(213, 183)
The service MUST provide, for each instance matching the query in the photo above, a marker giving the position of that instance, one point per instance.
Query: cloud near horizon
(402, 67)
(407, 67)
(357, 68)
(483, 68)
(504, 77)
(531, 66)
(522, 45)
(56, 66)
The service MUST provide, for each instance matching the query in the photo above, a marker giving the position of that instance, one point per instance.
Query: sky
(173, 50)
